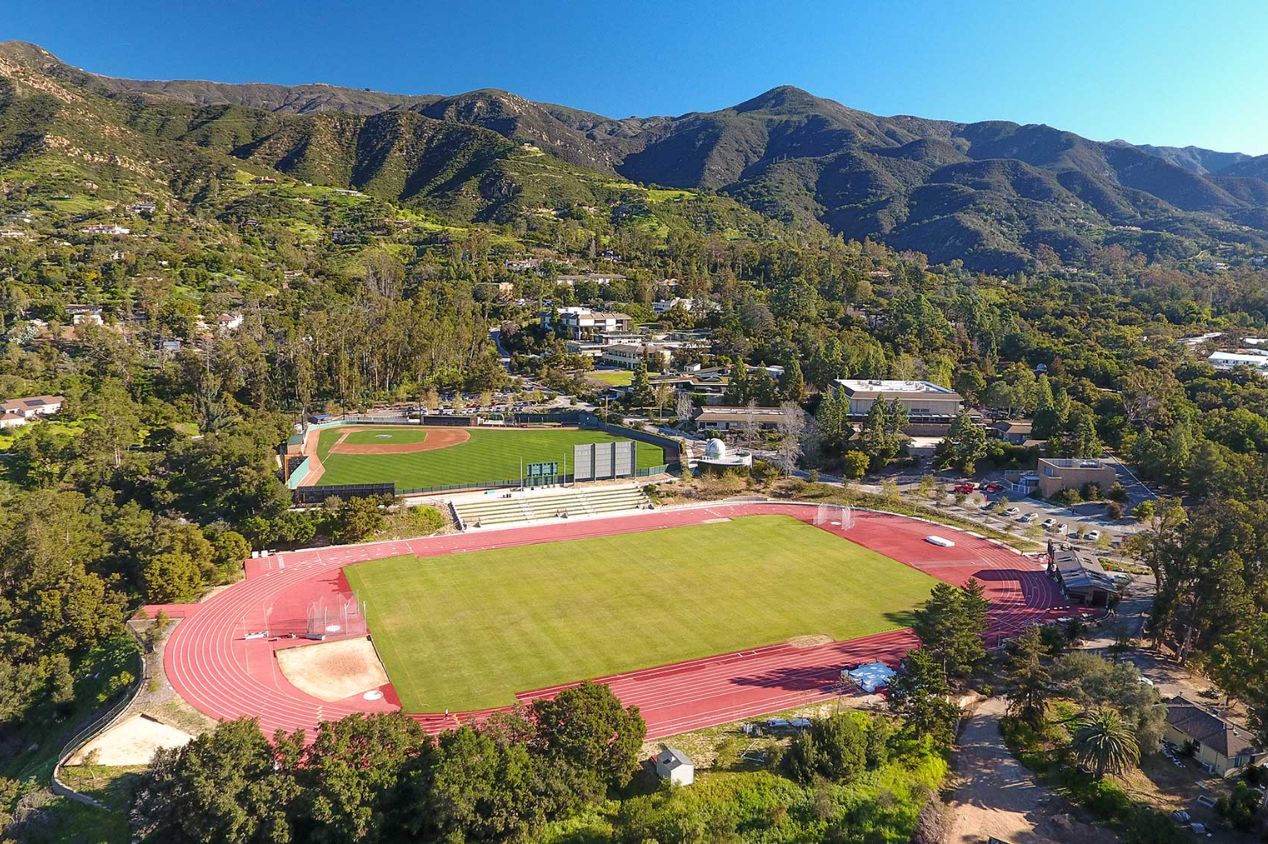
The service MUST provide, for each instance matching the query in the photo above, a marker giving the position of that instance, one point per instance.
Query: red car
(993, 488)
(965, 488)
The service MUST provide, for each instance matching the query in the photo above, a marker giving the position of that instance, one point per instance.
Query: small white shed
(675, 766)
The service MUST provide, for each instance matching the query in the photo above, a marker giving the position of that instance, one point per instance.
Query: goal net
(836, 516)
(335, 617)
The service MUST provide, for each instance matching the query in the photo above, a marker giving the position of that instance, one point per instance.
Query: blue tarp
(871, 676)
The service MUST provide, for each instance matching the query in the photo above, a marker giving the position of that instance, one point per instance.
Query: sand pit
(438, 437)
(333, 670)
(811, 641)
(132, 741)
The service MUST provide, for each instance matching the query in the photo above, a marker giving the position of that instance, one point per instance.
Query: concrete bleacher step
(550, 504)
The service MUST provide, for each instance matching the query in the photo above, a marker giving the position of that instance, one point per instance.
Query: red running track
(224, 675)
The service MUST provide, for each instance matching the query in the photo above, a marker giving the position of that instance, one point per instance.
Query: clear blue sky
(1163, 72)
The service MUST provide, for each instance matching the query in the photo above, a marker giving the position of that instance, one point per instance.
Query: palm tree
(1104, 744)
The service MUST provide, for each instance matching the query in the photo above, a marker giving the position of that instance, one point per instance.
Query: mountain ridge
(989, 193)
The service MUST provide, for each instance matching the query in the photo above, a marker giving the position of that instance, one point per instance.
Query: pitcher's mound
(333, 670)
(132, 741)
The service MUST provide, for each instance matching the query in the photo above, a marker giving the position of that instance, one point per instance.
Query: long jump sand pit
(132, 741)
(333, 671)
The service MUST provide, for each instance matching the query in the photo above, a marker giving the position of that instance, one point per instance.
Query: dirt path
(1000, 798)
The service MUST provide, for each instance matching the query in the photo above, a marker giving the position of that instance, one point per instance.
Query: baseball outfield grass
(491, 454)
(466, 631)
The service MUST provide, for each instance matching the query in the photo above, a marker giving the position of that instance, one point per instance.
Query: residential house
(226, 323)
(1060, 473)
(1229, 360)
(1013, 431)
(600, 279)
(581, 323)
(106, 228)
(1218, 744)
(19, 411)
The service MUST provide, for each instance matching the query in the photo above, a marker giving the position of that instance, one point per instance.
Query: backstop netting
(335, 616)
(837, 516)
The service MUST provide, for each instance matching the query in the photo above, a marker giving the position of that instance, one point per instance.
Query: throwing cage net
(335, 617)
(834, 516)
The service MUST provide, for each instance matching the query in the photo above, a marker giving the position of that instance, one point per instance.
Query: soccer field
(467, 631)
(491, 454)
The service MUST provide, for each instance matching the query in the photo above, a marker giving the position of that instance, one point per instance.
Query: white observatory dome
(715, 449)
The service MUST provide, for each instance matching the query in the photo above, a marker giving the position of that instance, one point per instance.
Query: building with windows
(629, 355)
(931, 408)
(1218, 744)
(1059, 473)
(580, 323)
(723, 418)
(1231, 360)
(16, 412)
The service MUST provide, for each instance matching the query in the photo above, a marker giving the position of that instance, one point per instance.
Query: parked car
(1092, 535)
(994, 488)
(1029, 517)
(1012, 511)
(964, 488)
(1048, 524)
(1062, 529)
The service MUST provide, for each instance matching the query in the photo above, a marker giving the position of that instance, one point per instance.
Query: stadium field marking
(454, 456)
(470, 631)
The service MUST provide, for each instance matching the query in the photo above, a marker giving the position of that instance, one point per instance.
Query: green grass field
(612, 377)
(387, 436)
(467, 631)
(490, 455)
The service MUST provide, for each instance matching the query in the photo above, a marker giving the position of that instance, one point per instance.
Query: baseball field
(418, 457)
(467, 631)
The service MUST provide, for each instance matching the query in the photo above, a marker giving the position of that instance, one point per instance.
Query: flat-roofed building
(630, 355)
(924, 400)
(584, 324)
(1059, 473)
(726, 418)
(1230, 360)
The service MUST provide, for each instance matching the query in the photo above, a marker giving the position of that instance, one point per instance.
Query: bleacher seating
(549, 504)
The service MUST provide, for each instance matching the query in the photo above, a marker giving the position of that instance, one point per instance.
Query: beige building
(1218, 744)
(924, 400)
(1058, 473)
(723, 418)
(630, 355)
(585, 324)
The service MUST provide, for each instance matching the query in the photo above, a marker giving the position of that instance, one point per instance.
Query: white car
(1092, 535)
(1062, 529)
(1029, 517)
(1048, 524)
(1012, 511)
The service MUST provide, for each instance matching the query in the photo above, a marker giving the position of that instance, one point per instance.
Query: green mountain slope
(988, 193)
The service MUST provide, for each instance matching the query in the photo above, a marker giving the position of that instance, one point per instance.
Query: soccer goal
(837, 516)
(335, 617)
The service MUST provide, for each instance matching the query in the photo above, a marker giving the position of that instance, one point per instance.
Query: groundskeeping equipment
(837, 516)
